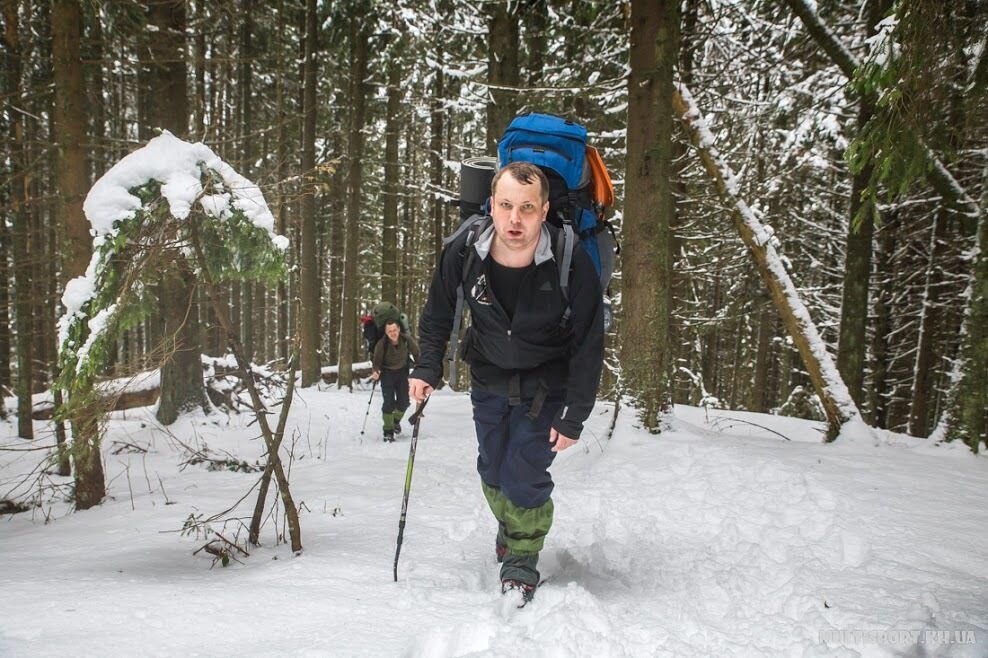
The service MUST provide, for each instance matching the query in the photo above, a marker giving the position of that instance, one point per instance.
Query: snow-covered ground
(718, 538)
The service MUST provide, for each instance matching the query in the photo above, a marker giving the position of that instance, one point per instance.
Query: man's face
(392, 332)
(518, 212)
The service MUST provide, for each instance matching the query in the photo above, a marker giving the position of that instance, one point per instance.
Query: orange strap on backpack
(601, 187)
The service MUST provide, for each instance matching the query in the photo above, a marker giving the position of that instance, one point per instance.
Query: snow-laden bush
(146, 213)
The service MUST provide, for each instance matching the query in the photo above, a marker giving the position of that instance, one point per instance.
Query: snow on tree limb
(841, 56)
(177, 165)
(128, 208)
(837, 402)
(939, 177)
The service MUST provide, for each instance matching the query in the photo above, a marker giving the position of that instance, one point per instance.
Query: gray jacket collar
(543, 251)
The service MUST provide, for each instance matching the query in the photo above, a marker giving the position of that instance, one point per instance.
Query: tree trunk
(535, 13)
(282, 331)
(309, 306)
(392, 182)
(649, 208)
(436, 116)
(937, 322)
(929, 331)
(410, 242)
(94, 51)
(71, 166)
(359, 29)
(335, 258)
(679, 338)
(181, 373)
(502, 70)
(967, 415)
(90, 483)
(42, 254)
(758, 400)
(837, 402)
(5, 287)
(183, 365)
(879, 393)
(199, 72)
(710, 341)
(18, 214)
(737, 364)
(245, 289)
(852, 342)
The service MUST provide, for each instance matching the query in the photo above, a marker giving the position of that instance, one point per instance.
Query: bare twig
(129, 487)
(717, 424)
(163, 492)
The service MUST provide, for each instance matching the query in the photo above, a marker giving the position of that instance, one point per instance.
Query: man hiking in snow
(390, 362)
(535, 358)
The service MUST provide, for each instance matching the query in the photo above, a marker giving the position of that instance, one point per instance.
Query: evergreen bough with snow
(145, 213)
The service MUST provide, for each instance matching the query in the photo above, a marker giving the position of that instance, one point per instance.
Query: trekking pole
(364, 426)
(414, 419)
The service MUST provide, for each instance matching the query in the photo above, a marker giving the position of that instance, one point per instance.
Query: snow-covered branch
(941, 179)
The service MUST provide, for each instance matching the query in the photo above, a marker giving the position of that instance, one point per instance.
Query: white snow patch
(699, 542)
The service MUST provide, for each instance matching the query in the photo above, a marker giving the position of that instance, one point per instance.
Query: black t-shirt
(506, 283)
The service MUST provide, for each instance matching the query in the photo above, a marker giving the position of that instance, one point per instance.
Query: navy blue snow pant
(513, 458)
(394, 391)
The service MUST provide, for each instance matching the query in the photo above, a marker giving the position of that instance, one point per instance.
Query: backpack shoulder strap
(464, 226)
(475, 225)
(564, 255)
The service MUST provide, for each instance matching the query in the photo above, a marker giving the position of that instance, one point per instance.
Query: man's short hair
(525, 173)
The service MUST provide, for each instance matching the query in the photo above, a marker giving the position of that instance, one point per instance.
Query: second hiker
(390, 360)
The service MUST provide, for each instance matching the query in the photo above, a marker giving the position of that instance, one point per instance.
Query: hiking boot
(389, 436)
(522, 568)
(397, 427)
(527, 591)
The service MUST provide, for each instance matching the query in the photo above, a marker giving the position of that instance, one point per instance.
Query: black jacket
(567, 358)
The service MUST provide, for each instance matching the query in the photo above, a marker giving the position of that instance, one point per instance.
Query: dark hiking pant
(513, 458)
(394, 390)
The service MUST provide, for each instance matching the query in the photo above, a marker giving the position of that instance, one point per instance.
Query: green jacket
(394, 357)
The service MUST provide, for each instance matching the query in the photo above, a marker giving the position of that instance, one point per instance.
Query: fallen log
(123, 393)
(143, 389)
(331, 373)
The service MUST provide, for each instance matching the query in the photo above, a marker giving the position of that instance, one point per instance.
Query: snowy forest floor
(717, 538)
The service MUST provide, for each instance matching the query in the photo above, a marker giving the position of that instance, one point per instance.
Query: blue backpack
(580, 191)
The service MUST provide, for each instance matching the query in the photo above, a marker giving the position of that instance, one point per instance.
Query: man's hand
(375, 375)
(559, 441)
(418, 389)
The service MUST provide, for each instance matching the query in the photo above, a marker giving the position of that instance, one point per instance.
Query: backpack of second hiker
(373, 324)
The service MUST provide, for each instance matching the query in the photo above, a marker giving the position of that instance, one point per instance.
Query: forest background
(856, 133)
